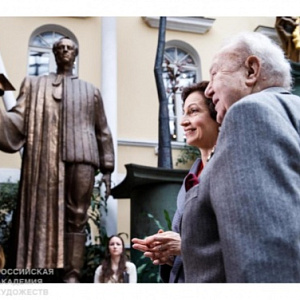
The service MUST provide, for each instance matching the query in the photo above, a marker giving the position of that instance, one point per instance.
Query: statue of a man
(288, 31)
(60, 122)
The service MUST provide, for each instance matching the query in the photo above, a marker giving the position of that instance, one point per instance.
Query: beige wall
(223, 28)
(137, 96)
(15, 38)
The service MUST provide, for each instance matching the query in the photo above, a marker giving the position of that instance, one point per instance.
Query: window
(41, 60)
(181, 67)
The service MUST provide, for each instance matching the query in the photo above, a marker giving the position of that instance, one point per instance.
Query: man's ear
(253, 70)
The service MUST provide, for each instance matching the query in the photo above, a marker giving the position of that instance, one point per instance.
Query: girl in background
(115, 267)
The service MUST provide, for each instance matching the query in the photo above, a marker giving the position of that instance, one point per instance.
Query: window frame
(60, 30)
(175, 117)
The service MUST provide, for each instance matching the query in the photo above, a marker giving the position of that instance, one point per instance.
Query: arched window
(41, 60)
(181, 68)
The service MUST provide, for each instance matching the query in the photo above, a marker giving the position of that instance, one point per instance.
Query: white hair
(276, 69)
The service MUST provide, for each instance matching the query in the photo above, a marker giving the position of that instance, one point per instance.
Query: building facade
(117, 54)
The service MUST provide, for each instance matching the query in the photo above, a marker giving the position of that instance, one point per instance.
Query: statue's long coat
(57, 120)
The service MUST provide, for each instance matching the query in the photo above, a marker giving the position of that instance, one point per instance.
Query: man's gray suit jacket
(175, 273)
(242, 222)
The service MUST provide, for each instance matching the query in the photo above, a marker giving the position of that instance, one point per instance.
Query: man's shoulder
(269, 93)
(273, 104)
(268, 98)
(33, 78)
(84, 82)
(272, 93)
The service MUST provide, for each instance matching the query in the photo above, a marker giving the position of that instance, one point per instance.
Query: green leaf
(158, 224)
(168, 219)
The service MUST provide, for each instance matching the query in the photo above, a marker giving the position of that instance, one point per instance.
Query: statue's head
(65, 51)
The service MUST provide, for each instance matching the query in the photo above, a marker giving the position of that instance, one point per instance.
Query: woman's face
(115, 246)
(200, 129)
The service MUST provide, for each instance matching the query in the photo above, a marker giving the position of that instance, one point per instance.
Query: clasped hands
(160, 247)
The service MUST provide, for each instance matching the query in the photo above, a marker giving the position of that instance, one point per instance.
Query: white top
(131, 270)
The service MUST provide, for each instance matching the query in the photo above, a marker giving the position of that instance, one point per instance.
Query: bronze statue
(288, 31)
(60, 121)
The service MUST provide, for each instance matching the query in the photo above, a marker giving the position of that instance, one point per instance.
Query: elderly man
(241, 223)
(61, 123)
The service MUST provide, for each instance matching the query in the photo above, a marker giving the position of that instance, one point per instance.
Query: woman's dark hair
(200, 87)
(107, 271)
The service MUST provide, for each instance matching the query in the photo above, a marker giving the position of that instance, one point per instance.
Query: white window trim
(56, 28)
(188, 24)
(147, 143)
(178, 103)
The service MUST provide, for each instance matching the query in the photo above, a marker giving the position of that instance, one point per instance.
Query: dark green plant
(95, 250)
(8, 203)
(146, 271)
(187, 155)
(157, 222)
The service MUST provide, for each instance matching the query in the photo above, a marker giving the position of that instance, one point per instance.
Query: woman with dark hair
(201, 130)
(115, 267)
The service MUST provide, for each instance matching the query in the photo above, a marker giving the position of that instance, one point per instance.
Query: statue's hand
(285, 27)
(106, 178)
